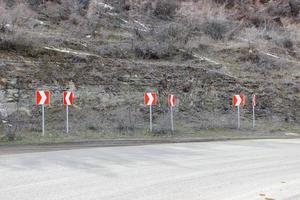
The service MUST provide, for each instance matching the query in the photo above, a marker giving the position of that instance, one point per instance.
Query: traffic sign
(237, 100)
(150, 99)
(172, 100)
(68, 98)
(243, 97)
(253, 100)
(42, 97)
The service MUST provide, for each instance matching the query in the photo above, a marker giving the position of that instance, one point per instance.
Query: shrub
(115, 51)
(125, 119)
(165, 9)
(285, 43)
(34, 4)
(162, 42)
(295, 7)
(62, 10)
(56, 12)
(21, 13)
(9, 3)
(227, 3)
(215, 29)
(154, 50)
(17, 15)
(3, 17)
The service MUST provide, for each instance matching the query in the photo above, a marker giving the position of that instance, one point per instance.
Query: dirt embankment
(204, 52)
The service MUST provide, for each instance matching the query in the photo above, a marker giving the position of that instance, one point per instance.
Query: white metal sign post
(150, 99)
(42, 98)
(172, 103)
(67, 123)
(151, 126)
(172, 121)
(239, 120)
(43, 120)
(253, 125)
(253, 108)
(68, 101)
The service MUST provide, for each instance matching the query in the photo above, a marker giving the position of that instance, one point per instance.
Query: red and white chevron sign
(42, 97)
(68, 98)
(237, 100)
(172, 100)
(150, 99)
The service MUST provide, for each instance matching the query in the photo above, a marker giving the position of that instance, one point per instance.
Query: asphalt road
(236, 170)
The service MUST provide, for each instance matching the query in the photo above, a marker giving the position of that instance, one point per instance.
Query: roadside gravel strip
(30, 148)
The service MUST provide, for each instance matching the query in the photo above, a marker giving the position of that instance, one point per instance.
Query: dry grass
(202, 11)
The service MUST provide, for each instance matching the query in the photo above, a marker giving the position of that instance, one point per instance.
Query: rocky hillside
(111, 52)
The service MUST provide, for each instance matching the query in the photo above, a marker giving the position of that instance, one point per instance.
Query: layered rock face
(114, 61)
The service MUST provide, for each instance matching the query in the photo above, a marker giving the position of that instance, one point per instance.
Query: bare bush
(18, 15)
(202, 11)
(115, 51)
(165, 9)
(285, 43)
(295, 7)
(162, 42)
(35, 3)
(21, 13)
(4, 17)
(227, 3)
(126, 120)
(217, 30)
(93, 11)
(61, 11)
(276, 9)
(206, 17)
(154, 50)
(56, 12)
(120, 5)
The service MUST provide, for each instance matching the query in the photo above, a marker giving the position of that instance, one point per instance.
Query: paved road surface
(239, 170)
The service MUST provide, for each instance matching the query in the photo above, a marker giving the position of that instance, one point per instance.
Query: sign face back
(172, 100)
(42, 97)
(68, 98)
(243, 97)
(150, 99)
(253, 100)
